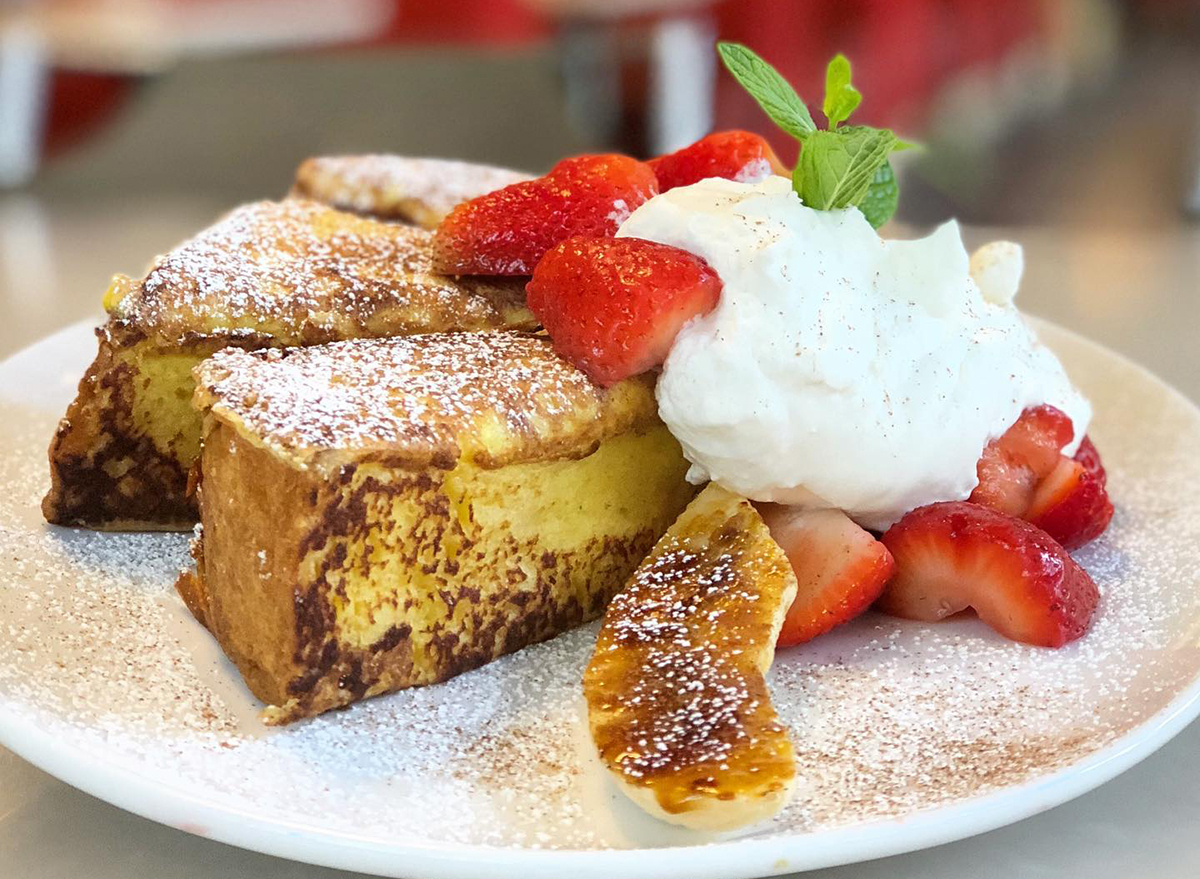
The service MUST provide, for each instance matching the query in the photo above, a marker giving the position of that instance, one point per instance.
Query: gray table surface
(1138, 293)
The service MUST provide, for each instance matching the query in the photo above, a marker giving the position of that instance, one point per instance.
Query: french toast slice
(410, 190)
(268, 274)
(676, 697)
(381, 514)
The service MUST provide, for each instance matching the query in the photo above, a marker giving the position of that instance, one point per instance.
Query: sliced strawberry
(1090, 458)
(955, 555)
(1023, 474)
(840, 568)
(507, 231)
(1071, 504)
(613, 306)
(1057, 487)
(1012, 465)
(734, 155)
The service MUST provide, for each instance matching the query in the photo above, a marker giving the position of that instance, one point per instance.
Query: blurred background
(1071, 125)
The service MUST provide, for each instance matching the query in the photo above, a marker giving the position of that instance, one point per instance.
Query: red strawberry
(840, 568)
(1011, 466)
(734, 155)
(507, 231)
(1090, 458)
(613, 306)
(955, 555)
(1071, 504)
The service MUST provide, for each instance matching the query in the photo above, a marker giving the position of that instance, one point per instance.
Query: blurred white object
(613, 8)
(640, 77)
(144, 36)
(23, 80)
(27, 259)
(996, 268)
(683, 74)
(1191, 198)
(139, 37)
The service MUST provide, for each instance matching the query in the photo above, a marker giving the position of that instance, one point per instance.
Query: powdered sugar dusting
(302, 272)
(888, 718)
(389, 185)
(421, 395)
(679, 655)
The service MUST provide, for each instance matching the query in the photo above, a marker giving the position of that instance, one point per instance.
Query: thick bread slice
(410, 190)
(380, 514)
(269, 274)
(677, 702)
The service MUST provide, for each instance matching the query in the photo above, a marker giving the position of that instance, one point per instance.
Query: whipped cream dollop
(840, 369)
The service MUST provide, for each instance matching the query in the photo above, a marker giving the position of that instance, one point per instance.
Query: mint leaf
(772, 92)
(836, 167)
(841, 98)
(883, 194)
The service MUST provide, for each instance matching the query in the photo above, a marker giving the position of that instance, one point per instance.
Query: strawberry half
(1090, 459)
(840, 568)
(1071, 503)
(613, 306)
(734, 155)
(1012, 465)
(955, 555)
(507, 231)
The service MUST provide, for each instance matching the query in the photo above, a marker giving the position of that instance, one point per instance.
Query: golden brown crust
(269, 274)
(324, 590)
(490, 398)
(410, 190)
(191, 585)
(300, 273)
(251, 504)
(677, 702)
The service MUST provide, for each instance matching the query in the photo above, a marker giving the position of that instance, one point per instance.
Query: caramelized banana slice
(677, 703)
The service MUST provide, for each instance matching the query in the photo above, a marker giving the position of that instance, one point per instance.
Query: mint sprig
(772, 92)
(838, 166)
(879, 203)
(841, 98)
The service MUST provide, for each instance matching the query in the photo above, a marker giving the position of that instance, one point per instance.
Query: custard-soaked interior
(121, 456)
(291, 273)
(162, 400)
(510, 533)
(405, 577)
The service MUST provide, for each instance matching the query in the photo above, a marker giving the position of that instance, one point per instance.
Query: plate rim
(184, 807)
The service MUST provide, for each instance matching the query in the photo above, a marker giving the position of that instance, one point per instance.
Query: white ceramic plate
(907, 735)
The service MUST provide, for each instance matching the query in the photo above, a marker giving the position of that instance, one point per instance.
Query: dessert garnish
(507, 231)
(734, 155)
(848, 384)
(839, 166)
(677, 702)
(614, 305)
(1024, 474)
(840, 568)
(954, 555)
